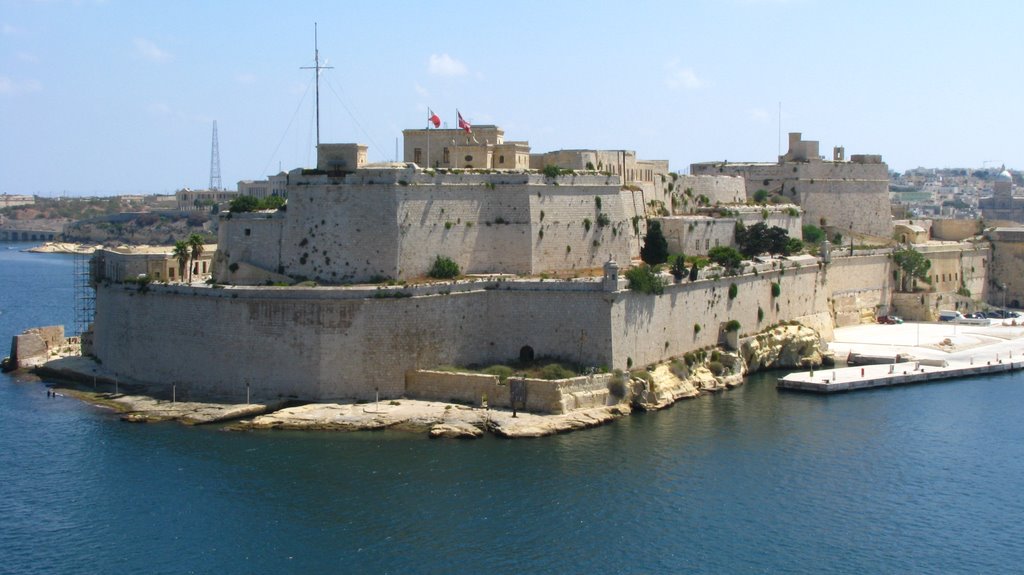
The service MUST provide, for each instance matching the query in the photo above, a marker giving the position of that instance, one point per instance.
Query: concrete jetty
(940, 351)
(870, 376)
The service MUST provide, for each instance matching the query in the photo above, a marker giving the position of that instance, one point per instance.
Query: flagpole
(430, 113)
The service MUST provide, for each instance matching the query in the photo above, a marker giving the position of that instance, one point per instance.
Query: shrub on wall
(776, 289)
(733, 290)
(732, 325)
(444, 268)
(644, 279)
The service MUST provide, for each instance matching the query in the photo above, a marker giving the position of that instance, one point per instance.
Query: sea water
(920, 479)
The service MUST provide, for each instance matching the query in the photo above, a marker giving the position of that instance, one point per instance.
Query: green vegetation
(914, 266)
(776, 289)
(761, 196)
(813, 234)
(644, 279)
(655, 248)
(726, 256)
(732, 325)
(251, 204)
(733, 290)
(677, 266)
(195, 245)
(182, 253)
(553, 171)
(444, 268)
(759, 239)
(540, 368)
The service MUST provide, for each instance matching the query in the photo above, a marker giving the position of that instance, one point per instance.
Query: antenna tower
(317, 67)
(215, 161)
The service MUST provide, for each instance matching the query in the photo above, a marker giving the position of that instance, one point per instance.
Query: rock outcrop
(784, 346)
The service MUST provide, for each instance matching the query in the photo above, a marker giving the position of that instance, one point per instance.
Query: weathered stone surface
(783, 346)
(455, 431)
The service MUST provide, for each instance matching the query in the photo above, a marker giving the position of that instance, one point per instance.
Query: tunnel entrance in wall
(526, 354)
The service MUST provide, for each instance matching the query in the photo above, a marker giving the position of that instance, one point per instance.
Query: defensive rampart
(349, 342)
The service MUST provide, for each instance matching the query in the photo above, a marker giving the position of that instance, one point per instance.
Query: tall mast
(317, 67)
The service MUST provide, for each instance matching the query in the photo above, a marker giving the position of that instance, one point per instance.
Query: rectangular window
(417, 155)
(248, 232)
(447, 156)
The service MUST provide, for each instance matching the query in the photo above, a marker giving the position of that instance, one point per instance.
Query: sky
(102, 97)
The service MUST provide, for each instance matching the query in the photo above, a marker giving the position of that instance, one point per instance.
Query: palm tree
(195, 242)
(181, 253)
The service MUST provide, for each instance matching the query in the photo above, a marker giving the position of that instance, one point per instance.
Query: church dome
(1005, 176)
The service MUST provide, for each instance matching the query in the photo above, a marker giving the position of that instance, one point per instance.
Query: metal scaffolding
(85, 294)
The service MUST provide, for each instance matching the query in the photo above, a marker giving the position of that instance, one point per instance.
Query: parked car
(995, 314)
(1011, 314)
(890, 319)
(950, 315)
(976, 315)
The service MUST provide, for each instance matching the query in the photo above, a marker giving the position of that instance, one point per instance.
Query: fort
(325, 299)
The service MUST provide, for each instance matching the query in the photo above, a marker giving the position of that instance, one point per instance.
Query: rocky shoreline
(658, 387)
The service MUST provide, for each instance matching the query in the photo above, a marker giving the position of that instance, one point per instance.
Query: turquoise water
(923, 479)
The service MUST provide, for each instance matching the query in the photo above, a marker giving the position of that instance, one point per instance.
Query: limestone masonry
(367, 234)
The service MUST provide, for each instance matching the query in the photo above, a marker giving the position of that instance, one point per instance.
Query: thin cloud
(10, 87)
(9, 30)
(445, 65)
(246, 78)
(147, 50)
(420, 90)
(678, 77)
(27, 57)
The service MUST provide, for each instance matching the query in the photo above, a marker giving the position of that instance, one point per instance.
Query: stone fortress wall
(848, 196)
(696, 234)
(392, 223)
(347, 343)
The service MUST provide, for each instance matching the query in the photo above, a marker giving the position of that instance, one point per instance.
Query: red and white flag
(433, 118)
(464, 124)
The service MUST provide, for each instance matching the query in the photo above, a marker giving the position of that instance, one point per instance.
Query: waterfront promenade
(938, 351)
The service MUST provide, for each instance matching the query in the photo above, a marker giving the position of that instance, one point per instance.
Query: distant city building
(276, 185)
(202, 200)
(8, 200)
(1002, 205)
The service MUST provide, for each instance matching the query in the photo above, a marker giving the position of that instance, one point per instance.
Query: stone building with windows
(850, 197)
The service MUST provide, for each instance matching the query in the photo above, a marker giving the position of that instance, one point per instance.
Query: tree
(760, 196)
(644, 279)
(272, 203)
(655, 249)
(914, 266)
(678, 268)
(181, 253)
(195, 244)
(725, 256)
(693, 272)
(244, 204)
